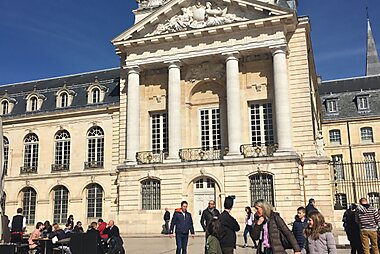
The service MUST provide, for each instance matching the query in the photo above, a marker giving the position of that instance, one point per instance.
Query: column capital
(231, 55)
(132, 69)
(280, 49)
(175, 63)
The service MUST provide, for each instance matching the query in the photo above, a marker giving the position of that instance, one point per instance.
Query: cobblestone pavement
(163, 245)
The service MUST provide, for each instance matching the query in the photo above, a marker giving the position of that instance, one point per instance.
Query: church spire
(373, 63)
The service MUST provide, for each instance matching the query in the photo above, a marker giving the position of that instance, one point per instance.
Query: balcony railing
(28, 169)
(59, 167)
(150, 157)
(202, 154)
(258, 150)
(93, 164)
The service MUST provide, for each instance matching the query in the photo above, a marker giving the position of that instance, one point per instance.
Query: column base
(172, 160)
(233, 156)
(284, 153)
(130, 163)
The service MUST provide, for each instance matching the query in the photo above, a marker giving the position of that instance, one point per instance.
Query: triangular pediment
(178, 16)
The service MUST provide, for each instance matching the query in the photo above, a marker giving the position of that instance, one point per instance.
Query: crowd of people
(107, 236)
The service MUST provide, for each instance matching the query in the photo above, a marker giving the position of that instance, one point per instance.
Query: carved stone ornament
(197, 16)
(205, 71)
(145, 4)
(320, 145)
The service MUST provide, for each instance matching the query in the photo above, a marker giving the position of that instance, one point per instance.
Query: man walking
(368, 219)
(207, 215)
(166, 219)
(311, 207)
(17, 226)
(229, 227)
(183, 223)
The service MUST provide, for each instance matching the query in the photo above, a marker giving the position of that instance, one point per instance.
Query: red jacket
(101, 228)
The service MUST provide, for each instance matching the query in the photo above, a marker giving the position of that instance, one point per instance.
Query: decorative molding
(205, 71)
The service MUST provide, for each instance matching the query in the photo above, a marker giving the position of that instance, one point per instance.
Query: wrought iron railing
(28, 169)
(93, 164)
(258, 150)
(202, 154)
(59, 167)
(356, 180)
(150, 157)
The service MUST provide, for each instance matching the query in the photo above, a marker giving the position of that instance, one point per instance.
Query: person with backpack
(214, 232)
(299, 226)
(271, 231)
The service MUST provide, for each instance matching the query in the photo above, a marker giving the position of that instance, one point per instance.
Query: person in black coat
(183, 223)
(114, 240)
(207, 215)
(299, 226)
(311, 207)
(229, 228)
(167, 220)
(352, 229)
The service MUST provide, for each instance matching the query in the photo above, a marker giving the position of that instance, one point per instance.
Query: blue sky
(44, 38)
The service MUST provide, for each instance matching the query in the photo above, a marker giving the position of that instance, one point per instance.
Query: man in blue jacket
(299, 226)
(183, 223)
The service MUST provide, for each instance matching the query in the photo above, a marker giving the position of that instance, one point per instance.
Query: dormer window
(64, 97)
(363, 102)
(95, 95)
(33, 104)
(64, 100)
(34, 101)
(332, 105)
(7, 104)
(4, 107)
(96, 92)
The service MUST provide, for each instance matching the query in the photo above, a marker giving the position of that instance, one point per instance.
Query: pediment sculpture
(143, 4)
(198, 16)
(205, 71)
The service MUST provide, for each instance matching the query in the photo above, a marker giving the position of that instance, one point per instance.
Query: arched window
(151, 194)
(62, 151)
(33, 104)
(94, 201)
(30, 153)
(366, 135)
(341, 199)
(29, 204)
(5, 107)
(6, 154)
(95, 95)
(374, 199)
(261, 187)
(61, 203)
(64, 100)
(95, 148)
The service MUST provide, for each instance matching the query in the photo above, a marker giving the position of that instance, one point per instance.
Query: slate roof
(109, 78)
(346, 92)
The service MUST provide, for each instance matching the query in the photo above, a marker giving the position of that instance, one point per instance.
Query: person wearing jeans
(183, 223)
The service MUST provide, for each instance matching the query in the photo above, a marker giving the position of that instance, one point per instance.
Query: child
(320, 239)
(214, 232)
(299, 226)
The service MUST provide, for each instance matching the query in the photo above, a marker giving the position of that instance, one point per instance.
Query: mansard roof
(346, 91)
(78, 83)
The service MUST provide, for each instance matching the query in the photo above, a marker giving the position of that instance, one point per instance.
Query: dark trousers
(181, 241)
(356, 246)
(228, 250)
(16, 237)
(166, 227)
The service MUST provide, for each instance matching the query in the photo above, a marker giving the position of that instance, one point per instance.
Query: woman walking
(214, 232)
(249, 220)
(268, 230)
(320, 239)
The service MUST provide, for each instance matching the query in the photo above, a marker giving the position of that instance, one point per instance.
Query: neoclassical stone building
(212, 98)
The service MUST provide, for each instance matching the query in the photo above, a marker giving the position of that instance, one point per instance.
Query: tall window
(31, 151)
(374, 199)
(29, 204)
(6, 154)
(261, 124)
(61, 202)
(64, 100)
(95, 146)
(159, 127)
(151, 194)
(370, 165)
(210, 128)
(62, 148)
(337, 161)
(335, 138)
(261, 187)
(95, 95)
(363, 102)
(33, 104)
(341, 198)
(5, 107)
(366, 135)
(94, 201)
(332, 105)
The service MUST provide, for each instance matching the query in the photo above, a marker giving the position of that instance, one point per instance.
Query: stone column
(174, 109)
(133, 113)
(282, 100)
(233, 104)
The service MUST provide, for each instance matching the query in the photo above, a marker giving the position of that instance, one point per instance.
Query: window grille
(95, 146)
(341, 198)
(261, 187)
(335, 137)
(159, 128)
(6, 155)
(370, 165)
(29, 205)
(374, 199)
(31, 151)
(62, 148)
(261, 124)
(366, 134)
(338, 166)
(210, 128)
(94, 201)
(61, 202)
(151, 194)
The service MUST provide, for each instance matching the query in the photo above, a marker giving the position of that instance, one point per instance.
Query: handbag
(284, 240)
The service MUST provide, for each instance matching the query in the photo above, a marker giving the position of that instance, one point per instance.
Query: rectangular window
(363, 102)
(332, 105)
(335, 138)
(151, 194)
(366, 135)
(261, 117)
(159, 130)
(370, 166)
(210, 128)
(337, 161)
(31, 156)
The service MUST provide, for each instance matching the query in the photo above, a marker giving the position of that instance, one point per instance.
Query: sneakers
(245, 245)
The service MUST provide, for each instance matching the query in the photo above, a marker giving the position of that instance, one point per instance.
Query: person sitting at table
(114, 240)
(59, 234)
(78, 228)
(33, 244)
(47, 229)
(68, 229)
(92, 230)
(101, 227)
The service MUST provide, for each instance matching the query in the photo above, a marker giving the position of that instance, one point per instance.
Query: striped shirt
(368, 217)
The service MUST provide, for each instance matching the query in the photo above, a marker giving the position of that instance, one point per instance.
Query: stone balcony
(202, 154)
(94, 164)
(59, 167)
(258, 150)
(26, 169)
(150, 157)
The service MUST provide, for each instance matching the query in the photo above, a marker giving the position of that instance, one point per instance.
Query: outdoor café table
(46, 245)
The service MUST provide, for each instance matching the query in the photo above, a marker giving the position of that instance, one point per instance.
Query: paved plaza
(163, 245)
